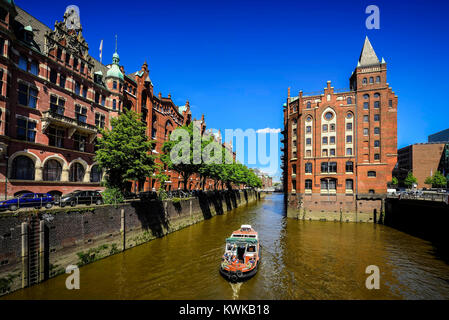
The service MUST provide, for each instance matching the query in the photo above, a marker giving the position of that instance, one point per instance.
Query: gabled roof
(368, 57)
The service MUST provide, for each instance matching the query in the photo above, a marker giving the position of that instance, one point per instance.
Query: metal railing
(437, 197)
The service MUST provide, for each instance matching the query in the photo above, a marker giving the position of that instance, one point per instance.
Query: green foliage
(123, 152)
(394, 181)
(438, 180)
(410, 180)
(91, 255)
(113, 196)
(114, 249)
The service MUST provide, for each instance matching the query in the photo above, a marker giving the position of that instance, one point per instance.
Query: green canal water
(300, 260)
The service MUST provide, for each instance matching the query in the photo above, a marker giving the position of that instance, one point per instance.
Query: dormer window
(114, 85)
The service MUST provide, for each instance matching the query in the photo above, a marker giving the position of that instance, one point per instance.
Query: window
(349, 167)
(2, 46)
(349, 100)
(348, 139)
(23, 63)
(377, 95)
(325, 128)
(100, 120)
(295, 155)
(294, 184)
(332, 128)
(53, 76)
(372, 191)
(328, 184)
(364, 81)
(365, 118)
(349, 151)
(372, 174)
(82, 67)
(26, 130)
(67, 58)
(308, 153)
(350, 185)
(95, 174)
(329, 116)
(366, 96)
(390, 103)
(308, 129)
(57, 105)
(349, 126)
(377, 157)
(376, 104)
(52, 170)
(97, 97)
(377, 79)
(309, 119)
(309, 105)
(80, 142)
(332, 140)
(309, 141)
(377, 144)
(325, 140)
(34, 68)
(62, 81)
(75, 63)
(59, 53)
(77, 88)
(103, 100)
(309, 167)
(114, 104)
(56, 137)
(325, 153)
(377, 117)
(114, 85)
(81, 113)
(365, 105)
(349, 116)
(308, 184)
(27, 95)
(376, 130)
(332, 152)
(84, 91)
(365, 131)
(294, 168)
(328, 167)
(77, 172)
(371, 80)
(23, 168)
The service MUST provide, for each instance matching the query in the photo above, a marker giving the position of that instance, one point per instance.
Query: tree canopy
(124, 151)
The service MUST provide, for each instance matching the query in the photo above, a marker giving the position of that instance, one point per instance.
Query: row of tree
(124, 155)
(438, 180)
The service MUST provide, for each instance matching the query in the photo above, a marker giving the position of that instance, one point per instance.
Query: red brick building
(341, 144)
(53, 97)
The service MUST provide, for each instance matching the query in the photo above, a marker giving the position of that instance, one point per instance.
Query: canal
(300, 260)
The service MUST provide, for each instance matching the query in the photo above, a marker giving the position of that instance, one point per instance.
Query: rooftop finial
(116, 43)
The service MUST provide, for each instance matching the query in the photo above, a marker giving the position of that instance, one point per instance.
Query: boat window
(251, 249)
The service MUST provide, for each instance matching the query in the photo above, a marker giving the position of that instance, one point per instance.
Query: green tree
(123, 151)
(410, 180)
(437, 181)
(394, 181)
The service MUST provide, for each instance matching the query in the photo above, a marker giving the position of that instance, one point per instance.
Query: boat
(241, 259)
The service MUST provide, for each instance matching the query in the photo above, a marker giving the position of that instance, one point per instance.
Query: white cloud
(269, 130)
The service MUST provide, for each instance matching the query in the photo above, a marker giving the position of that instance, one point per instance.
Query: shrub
(113, 196)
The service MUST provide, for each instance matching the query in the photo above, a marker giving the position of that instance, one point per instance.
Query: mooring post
(24, 235)
(122, 229)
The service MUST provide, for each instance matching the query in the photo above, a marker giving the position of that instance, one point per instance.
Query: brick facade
(53, 98)
(342, 143)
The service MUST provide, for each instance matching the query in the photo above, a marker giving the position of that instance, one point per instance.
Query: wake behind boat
(242, 255)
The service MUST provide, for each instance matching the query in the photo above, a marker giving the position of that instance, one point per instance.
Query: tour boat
(242, 255)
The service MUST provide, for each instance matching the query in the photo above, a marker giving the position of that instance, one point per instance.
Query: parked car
(81, 197)
(28, 200)
(148, 195)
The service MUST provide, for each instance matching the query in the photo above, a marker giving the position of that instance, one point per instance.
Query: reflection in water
(300, 260)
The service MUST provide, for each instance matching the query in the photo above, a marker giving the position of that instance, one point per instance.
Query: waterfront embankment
(36, 246)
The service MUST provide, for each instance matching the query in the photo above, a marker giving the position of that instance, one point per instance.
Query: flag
(101, 50)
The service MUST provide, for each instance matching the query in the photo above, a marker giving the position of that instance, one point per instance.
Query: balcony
(49, 117)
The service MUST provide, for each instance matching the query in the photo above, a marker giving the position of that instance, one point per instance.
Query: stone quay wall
(38, 245)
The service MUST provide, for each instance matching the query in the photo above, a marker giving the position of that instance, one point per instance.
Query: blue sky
(234, 60)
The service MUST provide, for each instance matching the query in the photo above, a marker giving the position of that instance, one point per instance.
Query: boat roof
(242, 240)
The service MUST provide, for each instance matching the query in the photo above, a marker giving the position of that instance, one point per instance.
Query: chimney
(160, 95)
(289, 92)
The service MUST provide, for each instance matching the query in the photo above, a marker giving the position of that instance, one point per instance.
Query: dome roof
(114, 71)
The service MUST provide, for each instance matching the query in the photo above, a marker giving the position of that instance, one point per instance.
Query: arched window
(77, 172)
(349, 100)
(366, 96)
(377, 95)
(23, 168)
(349, 167)
(371, 80)
(309, 105)
(168, 129)
(52, 170)
(365, 81)
(372, 174)
(95, 174)
(377, 79)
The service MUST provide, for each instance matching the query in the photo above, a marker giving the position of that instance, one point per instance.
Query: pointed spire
(383, 60)
(368, 56)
